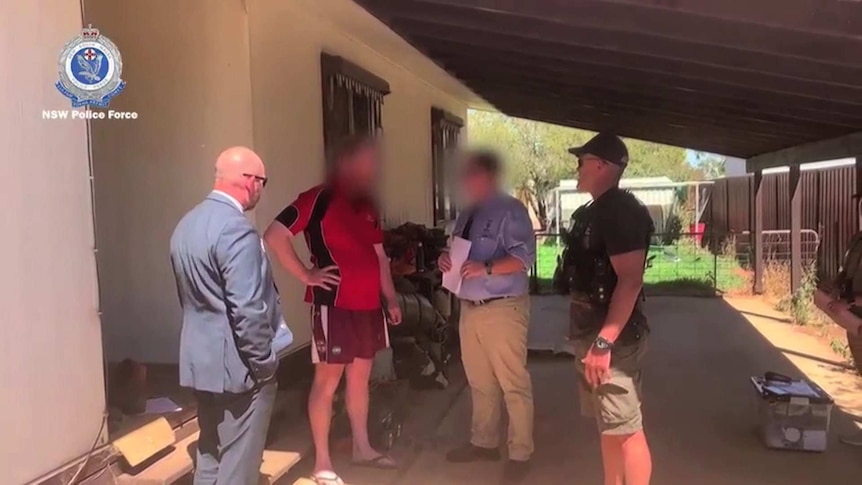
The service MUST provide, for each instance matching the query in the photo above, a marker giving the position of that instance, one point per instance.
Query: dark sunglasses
(582, 159)
(262, 180)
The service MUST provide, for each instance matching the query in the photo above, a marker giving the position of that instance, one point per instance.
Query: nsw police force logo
(90, 68)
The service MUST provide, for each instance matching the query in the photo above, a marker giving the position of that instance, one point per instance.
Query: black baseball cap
(607, 146)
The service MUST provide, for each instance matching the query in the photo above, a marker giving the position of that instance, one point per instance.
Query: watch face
(602, 344)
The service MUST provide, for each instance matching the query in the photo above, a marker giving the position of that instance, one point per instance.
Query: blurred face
(475, 183)
(359, 171)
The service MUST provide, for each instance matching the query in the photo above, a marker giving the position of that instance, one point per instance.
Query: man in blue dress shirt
(495, 313)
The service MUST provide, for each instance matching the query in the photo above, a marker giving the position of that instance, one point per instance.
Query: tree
(710, 164)
(538, 157)
(648, 159)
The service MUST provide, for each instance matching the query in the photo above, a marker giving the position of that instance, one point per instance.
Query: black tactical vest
(584, 271)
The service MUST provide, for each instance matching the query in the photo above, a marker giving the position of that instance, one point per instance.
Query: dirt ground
(699, 407)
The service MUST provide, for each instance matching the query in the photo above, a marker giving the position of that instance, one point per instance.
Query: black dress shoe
(470, 453)
(515, 472)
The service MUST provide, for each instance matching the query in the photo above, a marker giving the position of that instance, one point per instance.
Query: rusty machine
(427, 338)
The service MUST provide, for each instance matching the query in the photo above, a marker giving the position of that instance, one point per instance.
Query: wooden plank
(279, 458)
(829, 17)
(169, 468)
(832, 17)
(664, 22)
(596, 34)
(795, 229)
(509, 74)
(480, 55)
(757, 231)
(831, 149)
(747, 124)
(148, 440)
(428, 34)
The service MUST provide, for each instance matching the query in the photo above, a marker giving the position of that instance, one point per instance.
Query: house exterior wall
(209, 75)
(187, 76)
(52, 401)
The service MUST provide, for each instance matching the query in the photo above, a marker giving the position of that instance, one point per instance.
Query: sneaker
(469, 453)
(854, 439)
(515, 472)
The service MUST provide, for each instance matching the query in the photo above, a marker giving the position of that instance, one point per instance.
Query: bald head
(240, 172)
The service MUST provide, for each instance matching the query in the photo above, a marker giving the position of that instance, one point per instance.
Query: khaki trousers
(494, 352)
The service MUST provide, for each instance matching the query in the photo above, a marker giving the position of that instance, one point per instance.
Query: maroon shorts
(340, 335)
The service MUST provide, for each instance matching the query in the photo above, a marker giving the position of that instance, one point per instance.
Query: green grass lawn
(682, 266)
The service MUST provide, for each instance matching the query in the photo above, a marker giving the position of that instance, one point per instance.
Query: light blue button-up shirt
(501, 226)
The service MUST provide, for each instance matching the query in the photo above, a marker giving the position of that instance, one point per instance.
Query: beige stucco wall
(202, 75)
(186, 70)
(52, 396)
(208, 75)
(286, 41)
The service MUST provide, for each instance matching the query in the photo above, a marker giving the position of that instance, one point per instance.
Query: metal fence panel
(828, 208)
(677, 265)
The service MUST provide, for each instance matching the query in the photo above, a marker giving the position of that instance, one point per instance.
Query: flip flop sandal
(327, 477)
(382, 462)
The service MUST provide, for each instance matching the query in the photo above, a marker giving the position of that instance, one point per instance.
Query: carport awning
(736, 77)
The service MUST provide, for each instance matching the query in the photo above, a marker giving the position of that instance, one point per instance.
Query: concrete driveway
(699, 409)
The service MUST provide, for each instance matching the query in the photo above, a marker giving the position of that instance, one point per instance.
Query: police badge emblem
(90, 67)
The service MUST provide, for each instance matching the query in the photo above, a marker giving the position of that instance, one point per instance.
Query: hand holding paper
(458, 253)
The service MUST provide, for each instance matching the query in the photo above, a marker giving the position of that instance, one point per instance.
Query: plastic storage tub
(793, 414)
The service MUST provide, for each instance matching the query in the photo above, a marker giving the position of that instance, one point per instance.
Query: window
(352, 100)
(445, 131)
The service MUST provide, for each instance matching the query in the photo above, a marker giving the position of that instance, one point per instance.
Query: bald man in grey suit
(233, 330)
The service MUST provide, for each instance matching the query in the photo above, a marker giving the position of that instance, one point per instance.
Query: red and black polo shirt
(342, 232)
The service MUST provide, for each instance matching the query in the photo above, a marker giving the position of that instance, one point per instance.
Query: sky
(691, 157)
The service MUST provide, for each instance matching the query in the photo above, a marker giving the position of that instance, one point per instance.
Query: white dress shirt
(231, 199)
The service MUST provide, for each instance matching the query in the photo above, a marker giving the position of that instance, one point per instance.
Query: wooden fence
(828, 208)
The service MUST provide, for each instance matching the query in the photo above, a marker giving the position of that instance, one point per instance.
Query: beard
(252, 202)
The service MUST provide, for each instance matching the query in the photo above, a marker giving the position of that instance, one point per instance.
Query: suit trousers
(494, 353)
(233, 435)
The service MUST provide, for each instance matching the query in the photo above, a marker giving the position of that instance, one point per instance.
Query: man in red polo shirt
(349, 272)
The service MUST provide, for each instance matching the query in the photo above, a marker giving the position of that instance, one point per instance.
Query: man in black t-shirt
(603, 268)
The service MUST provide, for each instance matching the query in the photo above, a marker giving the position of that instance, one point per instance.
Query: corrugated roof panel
(735, 77)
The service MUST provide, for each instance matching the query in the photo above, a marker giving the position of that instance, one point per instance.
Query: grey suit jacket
(229, 301)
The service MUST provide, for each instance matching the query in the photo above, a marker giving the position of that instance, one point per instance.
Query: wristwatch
(603, 344)
(489, 267)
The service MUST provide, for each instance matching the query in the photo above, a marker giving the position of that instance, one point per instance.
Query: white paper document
(459, 250)
(161, 405)
(282, 340)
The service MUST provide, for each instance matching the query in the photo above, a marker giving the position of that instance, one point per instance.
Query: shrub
(800, 305)
(672, 230)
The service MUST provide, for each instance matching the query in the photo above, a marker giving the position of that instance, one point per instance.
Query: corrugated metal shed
(737, 77)
(657, 193)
